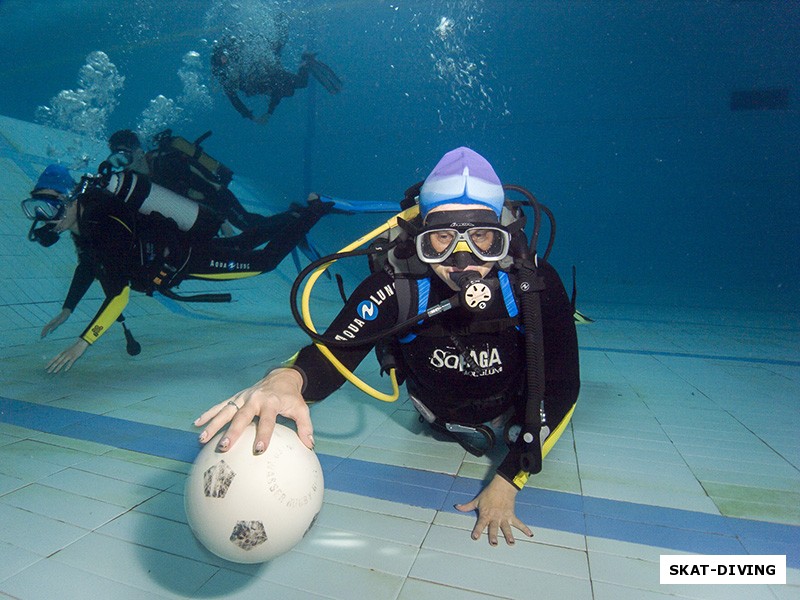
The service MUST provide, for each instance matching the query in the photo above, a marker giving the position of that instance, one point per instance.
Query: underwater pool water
(662, 137)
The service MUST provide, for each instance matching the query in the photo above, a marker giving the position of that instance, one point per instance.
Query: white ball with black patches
(250, 508)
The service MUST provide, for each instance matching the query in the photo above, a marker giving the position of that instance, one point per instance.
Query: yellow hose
(406, 215)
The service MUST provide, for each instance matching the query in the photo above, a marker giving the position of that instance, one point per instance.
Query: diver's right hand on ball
(279, 393)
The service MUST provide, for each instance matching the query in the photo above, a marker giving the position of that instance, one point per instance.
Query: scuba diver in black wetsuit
(460, 305)
(149, 252)
(238, 69)
(184, 168)
(50, 191)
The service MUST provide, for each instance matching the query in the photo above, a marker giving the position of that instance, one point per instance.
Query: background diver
(468, 373)
(51, 190)
(241, 69)
(149, 252)
(184, 168)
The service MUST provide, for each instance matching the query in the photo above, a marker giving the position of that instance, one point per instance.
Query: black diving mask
(488, 244)
(45, 212)
(43, 208)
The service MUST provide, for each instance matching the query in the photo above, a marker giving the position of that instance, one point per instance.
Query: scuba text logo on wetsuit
(367, 310)
(475, 363)
(230, 265)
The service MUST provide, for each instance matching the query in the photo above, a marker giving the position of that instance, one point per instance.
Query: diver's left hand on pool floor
(495, 507)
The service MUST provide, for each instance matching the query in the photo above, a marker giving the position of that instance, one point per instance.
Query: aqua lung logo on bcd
(229, 266)
(367, 310)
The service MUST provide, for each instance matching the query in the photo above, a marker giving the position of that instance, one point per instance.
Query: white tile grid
(443, 561)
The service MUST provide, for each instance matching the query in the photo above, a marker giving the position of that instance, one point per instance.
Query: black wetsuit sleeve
(371, 308)
(273, 104)
(111, 240)
(81, 282)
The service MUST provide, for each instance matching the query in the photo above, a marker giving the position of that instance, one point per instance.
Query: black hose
(210, 298)
(132, 346)
(538, 209)
(328, 341)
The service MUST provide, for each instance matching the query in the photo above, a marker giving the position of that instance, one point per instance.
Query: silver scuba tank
(138, 192)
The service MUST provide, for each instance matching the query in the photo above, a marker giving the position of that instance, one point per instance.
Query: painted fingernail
(224, 443)
(259, 447)
(203, 436)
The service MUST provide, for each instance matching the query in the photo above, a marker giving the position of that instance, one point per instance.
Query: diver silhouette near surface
(239, 70)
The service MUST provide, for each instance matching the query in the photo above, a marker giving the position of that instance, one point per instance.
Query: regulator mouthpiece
(44, 235)
(475, 294)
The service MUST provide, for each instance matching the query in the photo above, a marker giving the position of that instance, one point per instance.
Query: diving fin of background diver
(325, 75)
(349, 207)
(580, 318)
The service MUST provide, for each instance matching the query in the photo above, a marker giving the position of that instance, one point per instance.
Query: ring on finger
(233, 404)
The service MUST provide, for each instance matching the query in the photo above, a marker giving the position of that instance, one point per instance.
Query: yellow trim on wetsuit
(522, 477)
(121, 222)
(226, 276)
(109, 314)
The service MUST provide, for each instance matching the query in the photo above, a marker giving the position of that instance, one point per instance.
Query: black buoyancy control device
(475, 295)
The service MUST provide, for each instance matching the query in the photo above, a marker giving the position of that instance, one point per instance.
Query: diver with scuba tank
(151, 252)
(52, 188)
(461, 308)
(183, 167)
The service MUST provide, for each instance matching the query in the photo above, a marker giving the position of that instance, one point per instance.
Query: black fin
(324, 74)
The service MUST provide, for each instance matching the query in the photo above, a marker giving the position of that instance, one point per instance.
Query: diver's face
(139, 163)
(133, 159)
(443, 271)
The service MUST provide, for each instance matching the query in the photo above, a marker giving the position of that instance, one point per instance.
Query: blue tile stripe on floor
(682, 530)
